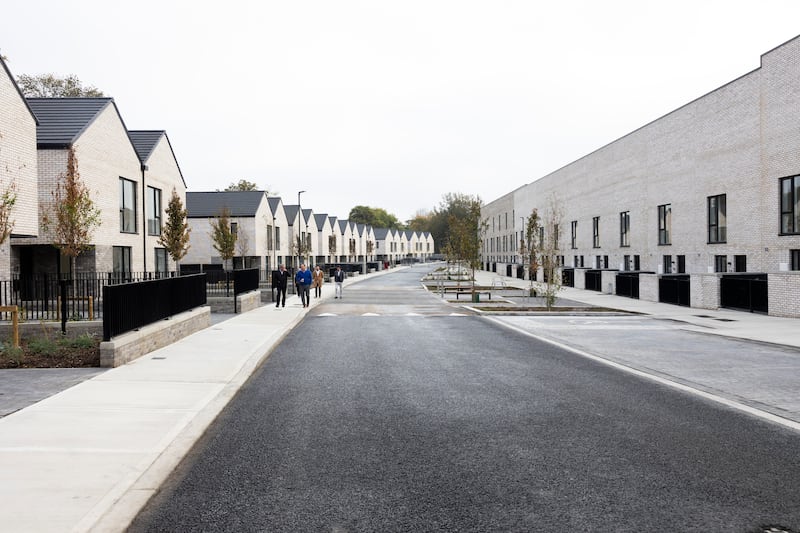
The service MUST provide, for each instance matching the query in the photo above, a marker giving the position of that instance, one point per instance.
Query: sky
(392, 104)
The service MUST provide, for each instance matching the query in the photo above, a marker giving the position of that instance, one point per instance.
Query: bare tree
(549, 248)
(175, 236)
(76, 215)
(243, 246)
(222, 237)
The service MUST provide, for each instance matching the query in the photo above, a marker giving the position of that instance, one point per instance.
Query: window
(277, 238)
(740, 263)
(720, 263)
(596, 232)
(636, 264)
(717, 223)
(555, 236)
(624, 228)
(574, 236)
(665, 224)
(667, 264)
(161, 261)
(122, 259)
(270, 236)
(626, 262)
(153, 211)
(681, 264)
(790, 205)
(127, 206)
(795, 259)
(234, 228)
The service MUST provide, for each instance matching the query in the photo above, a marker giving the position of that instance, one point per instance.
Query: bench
(487, 293)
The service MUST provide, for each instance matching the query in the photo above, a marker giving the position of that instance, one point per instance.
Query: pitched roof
(291, 213)
(321, 219)
(381, 233)
(343, 224)
(274, 203)
(307, 215)
(144, 141)
(62, 120)
(210, 204)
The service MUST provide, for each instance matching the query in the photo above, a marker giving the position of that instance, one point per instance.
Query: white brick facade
(737, 141)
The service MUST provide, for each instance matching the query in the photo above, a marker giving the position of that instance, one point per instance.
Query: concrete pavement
(88, 458)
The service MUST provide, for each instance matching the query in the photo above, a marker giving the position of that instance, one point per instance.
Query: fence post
(62, 283)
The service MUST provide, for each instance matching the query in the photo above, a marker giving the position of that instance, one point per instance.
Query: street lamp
(300, 229)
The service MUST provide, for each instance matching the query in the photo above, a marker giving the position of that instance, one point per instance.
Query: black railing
(748, 292)
(674, 289)
(593, 280)
(245, 280)
(628, 284)
(133, 305)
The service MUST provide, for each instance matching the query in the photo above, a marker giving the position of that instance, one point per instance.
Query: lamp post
(300, 229)
(274, 244)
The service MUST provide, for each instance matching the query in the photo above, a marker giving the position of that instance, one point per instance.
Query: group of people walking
(304, 280)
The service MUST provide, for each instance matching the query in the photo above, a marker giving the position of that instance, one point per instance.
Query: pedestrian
(318, 278)
(280, 280)
(338, 278)
(303, 281)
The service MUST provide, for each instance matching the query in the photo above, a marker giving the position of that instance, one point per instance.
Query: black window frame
(127, 213)
(574, 237)
(154, 218)
(665, 224)
(595, 232)
(794, 259)
(122, 259)
(789, 205)
(624, 229)
(717, 209)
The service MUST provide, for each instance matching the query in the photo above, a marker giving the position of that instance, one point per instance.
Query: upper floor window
(790, 205)
(665, 224)
(596, 232)
(161, 260)
(574, 235)
(127, 206)
(624, 228)
(717, 221)
(153, 211)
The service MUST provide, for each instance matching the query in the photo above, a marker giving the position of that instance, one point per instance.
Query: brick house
(111, 169)
(710, 191)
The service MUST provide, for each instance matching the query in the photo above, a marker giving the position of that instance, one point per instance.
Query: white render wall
(738, 140)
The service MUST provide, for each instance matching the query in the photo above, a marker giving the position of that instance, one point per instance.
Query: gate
(747, 292)
(674, 289)
(628, 284)
(592, 280)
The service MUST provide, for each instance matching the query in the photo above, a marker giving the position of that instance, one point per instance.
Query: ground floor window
(122, 259)
(667, 264)
(740, 263)
(161, 260)
(720, 263)
(681, 264)
(795, 259)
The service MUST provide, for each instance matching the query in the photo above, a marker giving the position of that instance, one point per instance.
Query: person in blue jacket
(303, 281)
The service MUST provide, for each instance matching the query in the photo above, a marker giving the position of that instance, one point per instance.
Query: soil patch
(78, 352)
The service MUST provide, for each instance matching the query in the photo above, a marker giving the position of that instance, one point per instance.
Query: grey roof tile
(210, 204)
(62, 120)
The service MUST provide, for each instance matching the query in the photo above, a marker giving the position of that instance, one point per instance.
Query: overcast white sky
(392, 104)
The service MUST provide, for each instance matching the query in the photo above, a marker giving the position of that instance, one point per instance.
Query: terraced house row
(267, 235)
(130, 176)
(700, 207)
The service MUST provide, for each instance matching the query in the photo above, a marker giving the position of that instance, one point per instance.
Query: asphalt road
(385, 411)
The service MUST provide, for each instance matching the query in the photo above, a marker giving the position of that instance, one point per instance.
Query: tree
(175, 235)
(530, 247)
(420, 222)
(332, 245)
(465, 234)
(374, 216)
(243, 246)
(8, 197)
(76, 215)
(242, 185)
(223, 239)
(549, 247)
(52, 86)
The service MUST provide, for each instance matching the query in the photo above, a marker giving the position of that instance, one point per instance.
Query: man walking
(338, 278)
(303, 281)
(280, 281)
